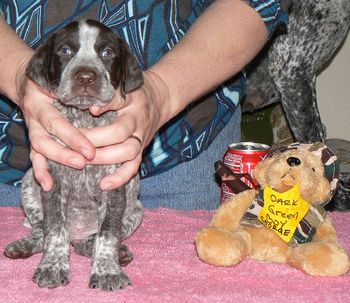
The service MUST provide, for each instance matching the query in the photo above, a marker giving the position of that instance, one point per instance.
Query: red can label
(242, 158)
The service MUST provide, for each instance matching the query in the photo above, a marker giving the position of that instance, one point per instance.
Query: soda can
(241, 158)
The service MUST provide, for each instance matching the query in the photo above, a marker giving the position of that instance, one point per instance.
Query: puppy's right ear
(39, 65)
(132, 76)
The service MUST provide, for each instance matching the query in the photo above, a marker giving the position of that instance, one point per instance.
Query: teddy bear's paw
(220, 247)
(229, 214)
(320, 259)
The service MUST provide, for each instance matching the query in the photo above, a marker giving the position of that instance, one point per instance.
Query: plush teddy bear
(285, 220)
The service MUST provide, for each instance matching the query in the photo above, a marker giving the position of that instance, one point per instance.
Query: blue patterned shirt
(151, 28)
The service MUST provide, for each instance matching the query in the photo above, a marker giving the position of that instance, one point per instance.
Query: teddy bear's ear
(323, 192)
(260, 169)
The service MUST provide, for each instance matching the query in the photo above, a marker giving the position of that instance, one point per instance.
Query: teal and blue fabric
(151, 28)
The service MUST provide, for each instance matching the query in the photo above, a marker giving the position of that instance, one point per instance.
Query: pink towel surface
(166, 268)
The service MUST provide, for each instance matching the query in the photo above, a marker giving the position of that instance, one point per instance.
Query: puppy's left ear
(39, 65)
(132, 77)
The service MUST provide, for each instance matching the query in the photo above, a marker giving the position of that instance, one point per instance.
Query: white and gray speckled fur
(76, 210)
(287, 68)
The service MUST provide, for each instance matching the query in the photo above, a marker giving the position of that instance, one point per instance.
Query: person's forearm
(218, 45)
(14, 54)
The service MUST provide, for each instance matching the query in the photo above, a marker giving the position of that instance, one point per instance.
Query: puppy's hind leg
(297, 87)
(85, 247)
(31, 202)
(27, 246)
(301, 110)
(132, 219)
(133, 212)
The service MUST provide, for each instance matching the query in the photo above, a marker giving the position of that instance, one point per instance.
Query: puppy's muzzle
(86, 86)
(85, 77)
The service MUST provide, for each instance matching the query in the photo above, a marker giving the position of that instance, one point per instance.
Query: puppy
(84, 64)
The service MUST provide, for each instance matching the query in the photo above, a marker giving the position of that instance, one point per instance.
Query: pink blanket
(167, 269)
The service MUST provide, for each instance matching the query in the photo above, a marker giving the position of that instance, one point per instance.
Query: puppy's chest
(83, 118)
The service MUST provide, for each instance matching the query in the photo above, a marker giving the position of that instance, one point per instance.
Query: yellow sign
(282, 212)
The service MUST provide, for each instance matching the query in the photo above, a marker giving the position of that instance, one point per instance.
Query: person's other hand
(139, 117)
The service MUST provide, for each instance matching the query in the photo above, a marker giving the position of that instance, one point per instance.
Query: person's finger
(45, 145)
(119, 153)
(123, 175)
(116, 103)
(55, 124)
(41, 171)
(118, 131)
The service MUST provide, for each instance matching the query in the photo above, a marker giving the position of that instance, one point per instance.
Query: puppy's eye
(66, 51)
(106, 53)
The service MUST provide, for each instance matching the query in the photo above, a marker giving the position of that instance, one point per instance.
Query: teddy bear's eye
(313, 169)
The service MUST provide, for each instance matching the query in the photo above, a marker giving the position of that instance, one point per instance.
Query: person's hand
(44, 121)
(139, 117)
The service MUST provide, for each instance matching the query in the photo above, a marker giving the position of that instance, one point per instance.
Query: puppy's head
(84, 64)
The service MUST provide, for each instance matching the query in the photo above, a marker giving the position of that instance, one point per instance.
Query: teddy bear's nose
(293, 161)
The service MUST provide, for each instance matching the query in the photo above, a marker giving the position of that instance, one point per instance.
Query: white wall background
(333, 91)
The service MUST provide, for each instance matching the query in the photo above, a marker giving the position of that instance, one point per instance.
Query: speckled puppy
(84, 64)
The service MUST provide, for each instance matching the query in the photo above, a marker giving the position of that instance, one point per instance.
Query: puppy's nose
(293, 161)
(85, 77)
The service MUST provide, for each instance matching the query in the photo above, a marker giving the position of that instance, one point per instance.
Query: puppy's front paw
(51, 277)
(109, 282)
